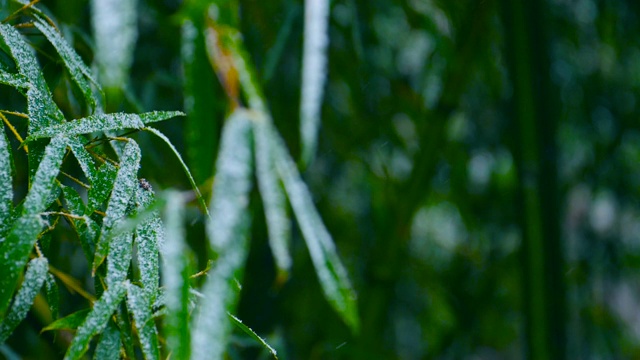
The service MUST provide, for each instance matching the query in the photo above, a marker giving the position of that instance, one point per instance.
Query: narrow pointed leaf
(228, 234)
(331, 273)
(43, 183)
(108, 347)
(149, 235)
(314, 73)
(6, 190)
(176, 279)
(273, 197)
(96, 321)
(253, 334)
(101, 186)
(84, 158)
(103, 122)
(77, 69)
(86, 228)
(139, 306)
(119, 258)
(14, 80)
(69, 322)
(33, 279)
(53, 295)
(123, 189)
(184, 167)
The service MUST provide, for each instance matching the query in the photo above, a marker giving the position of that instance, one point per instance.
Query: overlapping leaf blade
(253, 334)
(69, 322)
(228, 234)
(149, 236)
(139, 306)
(108, 347)
(33, 279)
(6, 190)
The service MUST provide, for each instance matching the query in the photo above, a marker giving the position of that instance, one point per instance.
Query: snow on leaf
(331, 273)
(176, 278)
(43, 182)
(108, 347)
(96, 320)
(228, 230)
(149, 236)
(33, 278)
(103, 122)
(101, 185)
(53, 295)
(72, 61)
(14, 80)
(139, 306)
(273, 197)
(253, 334)
(123, 189)
(184, 167)
(119, 258)
(115, 33)
(6, 190)
(84, 158)
(314, 73)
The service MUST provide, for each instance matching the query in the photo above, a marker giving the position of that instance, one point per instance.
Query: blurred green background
(478, 168)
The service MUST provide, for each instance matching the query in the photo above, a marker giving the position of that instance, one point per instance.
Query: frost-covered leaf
(79, 72)
(96, 320)
(273, 197)
(119, 258)
(314, 73)
(331, 273)
(176, 279)
(253, 334)
(42, 110)
(228, 230)
(6, 190)
(115, 33)
(123, 189)
(33, 278)
(149, 237)
(108, 347)
(43, 183)
(53, 295)
(84, 158)
(103, 122)
(184, 167)
(69, 322)
(101, 186)
(139, 306)
(14, 80)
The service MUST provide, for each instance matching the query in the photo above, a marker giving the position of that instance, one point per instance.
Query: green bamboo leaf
(85, 159)
(184, 167)
(331, 273)
(200, 100)
(149, 236)
(69, 322)
(123, 189)
(273, 197)
(33, 279)
(53, 295)
(108, 347)
(77, 69)
(253, 334)
(6, 190)
(119, 258)
(96, 320)
(139, 306)
(42, 110)
(43, 183)
(86, 228)
(228, 230)
(17, 81)
(314, 73)
(103, 122)
(176, 278)
(126, 330)
(101, 186)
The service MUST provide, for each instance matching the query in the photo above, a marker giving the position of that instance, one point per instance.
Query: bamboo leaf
(253, 334)
(314, 73)
(103, 122)
(101, 186)
(6, 190)
(331, 273)
(53, 295)
(273, 197)
(123, 189)
(96, 320)
(184, 167)
(84, 158)
(77, 69)
(17, 81)
(43, 183)
(176, 279)
(149, 236)
(108, 347)
(69, 322)
(119, 258)
(139, 306)
(33, 279)
(228, 234)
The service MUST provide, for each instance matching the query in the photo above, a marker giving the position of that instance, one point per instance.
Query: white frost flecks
(115, 33)
(139, 306)
(149, 237)
(43, 182)
(314, 72)
(6, 190)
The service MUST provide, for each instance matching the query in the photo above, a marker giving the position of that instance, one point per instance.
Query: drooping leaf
(228, 234)
(149, 236)
(84, 158)
(80, 73)
(123, 189)
(53, 295)
(176, 279)
(103, 122)
(184, 167)
(253, 334)
(119, 258)
(37, 199)
(96, 320)
(6, 190)
(314, 73)
(86, 228)
(139, 305)
(69, 322)
(331, 273)
(273, 197)
(33, 279)
(101, 186)
(108, 347)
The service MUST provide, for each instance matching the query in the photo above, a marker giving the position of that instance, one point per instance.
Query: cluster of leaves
(117, 219)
